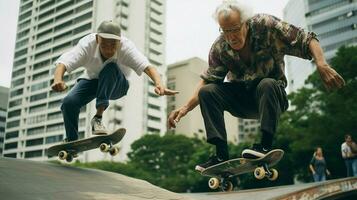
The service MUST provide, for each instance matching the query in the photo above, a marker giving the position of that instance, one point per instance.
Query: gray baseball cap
(109, 30)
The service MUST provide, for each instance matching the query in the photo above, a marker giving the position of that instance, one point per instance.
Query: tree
(322, 118)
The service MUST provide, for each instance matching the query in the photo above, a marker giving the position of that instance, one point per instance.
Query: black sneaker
(257, 151)
(213, 160)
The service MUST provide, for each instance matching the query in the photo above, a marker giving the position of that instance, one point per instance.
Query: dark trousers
(110, 85)
(265, 101)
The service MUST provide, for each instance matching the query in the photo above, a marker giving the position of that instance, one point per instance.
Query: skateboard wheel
(259, 173)
(69, 158)
(227, 186)
(104, 147)
(114, 151)
(213, 183)
(274, 175)
(62, 155)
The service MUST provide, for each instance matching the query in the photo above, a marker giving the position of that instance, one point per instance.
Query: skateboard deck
(234, 167)
(104, 142)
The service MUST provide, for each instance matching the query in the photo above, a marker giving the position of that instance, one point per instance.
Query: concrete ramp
(337, 189)
(30, 180)
(24, 179)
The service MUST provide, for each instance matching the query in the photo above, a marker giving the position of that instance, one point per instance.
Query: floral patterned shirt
(270, 39)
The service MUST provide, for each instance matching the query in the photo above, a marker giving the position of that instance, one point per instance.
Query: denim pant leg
(112, 85)
(354, 167)
(81, 94)
(348, 164)
(316, 177)
(322, 177)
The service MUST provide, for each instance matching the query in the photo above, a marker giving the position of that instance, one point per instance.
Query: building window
(13, 124)
(54, 139)
(39, 86)
(55, 127)
(10, 155)
(37, 108)
(155, 107)
(38, 97)
(32, 154)
(35, 131)
(13, 134)
(12, 145)
(157, 119)
(14, 113)
(153, 130)
(36, 119)
(15, 103)
(34, 142)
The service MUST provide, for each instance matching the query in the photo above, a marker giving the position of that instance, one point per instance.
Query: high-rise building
(297, 69)
(183, 76)
(46, 29)
(4, 94)
(335, 22)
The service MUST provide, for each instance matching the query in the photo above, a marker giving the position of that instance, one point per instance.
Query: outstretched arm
(159, 87)
(331, 79)
(177, 114)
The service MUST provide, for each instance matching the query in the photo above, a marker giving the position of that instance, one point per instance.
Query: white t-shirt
(345, 150)
(86, 54)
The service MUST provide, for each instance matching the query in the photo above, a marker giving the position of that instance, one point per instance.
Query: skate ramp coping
(328, 190)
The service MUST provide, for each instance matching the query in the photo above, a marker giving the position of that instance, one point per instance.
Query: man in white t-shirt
(349, 156)
(108, 59)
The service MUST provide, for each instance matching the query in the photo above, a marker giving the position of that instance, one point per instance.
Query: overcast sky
(190, 29)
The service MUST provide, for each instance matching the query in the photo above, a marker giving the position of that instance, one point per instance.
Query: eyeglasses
(234, 30)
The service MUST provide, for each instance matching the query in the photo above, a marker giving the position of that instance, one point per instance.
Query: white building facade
(46, 29)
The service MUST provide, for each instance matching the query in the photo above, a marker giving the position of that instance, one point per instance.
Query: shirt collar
(98, 56)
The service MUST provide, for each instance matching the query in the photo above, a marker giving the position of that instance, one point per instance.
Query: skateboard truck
(263, 171)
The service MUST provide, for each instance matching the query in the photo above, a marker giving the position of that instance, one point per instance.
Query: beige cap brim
(108, 36)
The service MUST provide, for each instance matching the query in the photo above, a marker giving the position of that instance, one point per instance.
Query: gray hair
(227, 6)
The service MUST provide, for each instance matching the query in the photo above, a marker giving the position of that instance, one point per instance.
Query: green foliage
(322, 118)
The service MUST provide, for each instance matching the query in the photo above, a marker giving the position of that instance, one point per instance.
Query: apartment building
(48, 28)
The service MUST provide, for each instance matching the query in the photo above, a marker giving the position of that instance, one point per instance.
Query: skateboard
(67, 151)
(222, 173)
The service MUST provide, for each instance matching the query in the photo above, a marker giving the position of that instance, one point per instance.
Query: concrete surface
(24, 179)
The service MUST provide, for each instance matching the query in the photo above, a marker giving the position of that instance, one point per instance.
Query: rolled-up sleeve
(74, 58)
(294, 40)
(216, 71)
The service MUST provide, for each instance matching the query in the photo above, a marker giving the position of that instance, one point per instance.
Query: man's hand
(175, 116)
(331, 79)
(161, 90)
(59, 86)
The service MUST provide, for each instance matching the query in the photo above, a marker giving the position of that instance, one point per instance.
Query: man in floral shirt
(246, 76)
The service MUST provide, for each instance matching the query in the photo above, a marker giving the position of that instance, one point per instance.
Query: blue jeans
(110, 85)
(319, 177)
(354, 167)
(351, 166)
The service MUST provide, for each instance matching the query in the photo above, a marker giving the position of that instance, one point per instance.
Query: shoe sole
(252, 153)
(99, 133)
(199, 168)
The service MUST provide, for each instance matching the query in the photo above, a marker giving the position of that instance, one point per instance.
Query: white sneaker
(97, 127)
